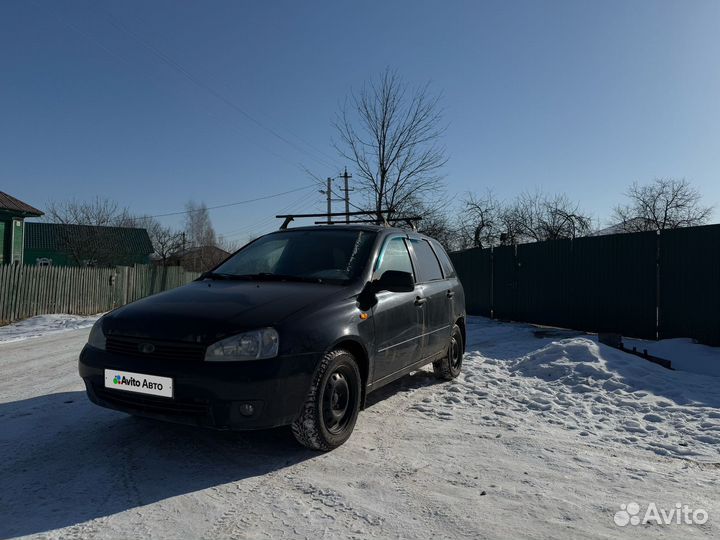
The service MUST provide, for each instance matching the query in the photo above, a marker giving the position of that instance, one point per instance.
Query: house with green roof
(59, 244)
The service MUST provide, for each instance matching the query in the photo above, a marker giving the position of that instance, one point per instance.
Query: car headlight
(252, 345)
(97, 337)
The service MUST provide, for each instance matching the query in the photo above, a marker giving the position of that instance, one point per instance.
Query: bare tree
(229, 245)
(201, 248)
(199, 230)
(530, 217)
(435, 221)
(165, 240)
(391, 133)
(479, 222)
(536, 217)
(98, 212)
(665, 203)
(86, 245)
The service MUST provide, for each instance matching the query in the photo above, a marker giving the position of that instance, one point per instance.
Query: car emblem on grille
(146, 348)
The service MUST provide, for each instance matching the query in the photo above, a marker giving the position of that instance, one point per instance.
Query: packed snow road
(546, 434)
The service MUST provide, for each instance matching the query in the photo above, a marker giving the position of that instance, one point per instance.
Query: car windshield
(334, 256)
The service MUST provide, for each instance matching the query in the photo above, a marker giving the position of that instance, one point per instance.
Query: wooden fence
(26, 291)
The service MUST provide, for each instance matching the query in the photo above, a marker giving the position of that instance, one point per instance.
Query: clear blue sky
(569, 96)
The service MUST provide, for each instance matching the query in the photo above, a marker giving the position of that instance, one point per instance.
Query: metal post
(329, 199)
(345, 176)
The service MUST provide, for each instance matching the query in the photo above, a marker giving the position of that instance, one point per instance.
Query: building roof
(52, 236)
(637, 224)
(199, 251)
(13, 205)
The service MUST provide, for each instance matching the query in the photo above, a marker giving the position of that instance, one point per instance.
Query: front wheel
(332, 405)
(449, 367)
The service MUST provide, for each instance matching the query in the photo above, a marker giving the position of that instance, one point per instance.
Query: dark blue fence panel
(690, 283)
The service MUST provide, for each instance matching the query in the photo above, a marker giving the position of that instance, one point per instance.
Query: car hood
(205, 311)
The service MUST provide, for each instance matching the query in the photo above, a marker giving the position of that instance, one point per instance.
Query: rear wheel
(332, 404)
(449, 367)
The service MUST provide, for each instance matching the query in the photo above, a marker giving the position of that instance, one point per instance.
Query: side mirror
(395, 281)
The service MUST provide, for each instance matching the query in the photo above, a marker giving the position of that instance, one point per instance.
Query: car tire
(449, 367)
(332, 405)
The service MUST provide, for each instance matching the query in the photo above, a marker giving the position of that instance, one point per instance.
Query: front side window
(316, 255)
(428, 265)
(394, 256)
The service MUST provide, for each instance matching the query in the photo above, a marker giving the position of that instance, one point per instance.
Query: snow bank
(599, 392)
(43, 325)
(684, 353)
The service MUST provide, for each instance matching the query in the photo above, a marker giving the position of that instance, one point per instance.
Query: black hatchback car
(295, 328)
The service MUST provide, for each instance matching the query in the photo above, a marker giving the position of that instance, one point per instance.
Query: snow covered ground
(684, 354)
(545, 434)
(43, 325)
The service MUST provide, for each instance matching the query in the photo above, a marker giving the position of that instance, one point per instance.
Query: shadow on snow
(66, 461)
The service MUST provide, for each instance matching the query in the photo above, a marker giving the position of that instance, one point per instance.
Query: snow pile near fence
(684, 353)
(43, 325)
(602, 394)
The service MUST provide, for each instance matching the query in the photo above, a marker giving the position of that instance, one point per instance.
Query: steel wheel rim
(454, 352)
(337, 407)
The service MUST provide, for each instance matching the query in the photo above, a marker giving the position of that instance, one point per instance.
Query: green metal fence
(26, 291)
(645, 285)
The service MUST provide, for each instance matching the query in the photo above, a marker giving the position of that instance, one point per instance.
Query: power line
(261, 224)
(321, 184)
(170, 62)
(192, 78)
(128, 62)
(297, 203)
(211, 75)
(233, 204)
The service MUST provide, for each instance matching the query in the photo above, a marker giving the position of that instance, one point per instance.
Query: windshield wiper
(215, 275)
(262, 276)
(268, 276)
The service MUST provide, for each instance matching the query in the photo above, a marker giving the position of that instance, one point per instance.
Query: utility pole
(328, 192)
(345, 176)
(329, 199)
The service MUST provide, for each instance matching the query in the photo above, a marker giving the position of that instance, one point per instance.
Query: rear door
(433, 290)
(455, 293)
(397, 319)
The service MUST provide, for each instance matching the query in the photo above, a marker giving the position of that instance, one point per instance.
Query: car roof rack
(409, 220)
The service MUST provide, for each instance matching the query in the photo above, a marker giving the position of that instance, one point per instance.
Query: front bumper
(208, 394)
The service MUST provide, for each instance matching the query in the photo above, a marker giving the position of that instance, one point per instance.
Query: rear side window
(394, 256)
(447, 267)
(428, 266)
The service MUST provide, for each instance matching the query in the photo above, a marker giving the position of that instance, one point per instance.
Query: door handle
(450, 294)
(419, 301)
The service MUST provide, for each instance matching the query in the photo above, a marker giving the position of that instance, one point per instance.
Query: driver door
(398, 321)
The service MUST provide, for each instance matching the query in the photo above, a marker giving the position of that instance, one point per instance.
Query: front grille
(151, 404)
(163, 350)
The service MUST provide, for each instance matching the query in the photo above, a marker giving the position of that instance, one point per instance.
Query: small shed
(12, 227)
(198, 259)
